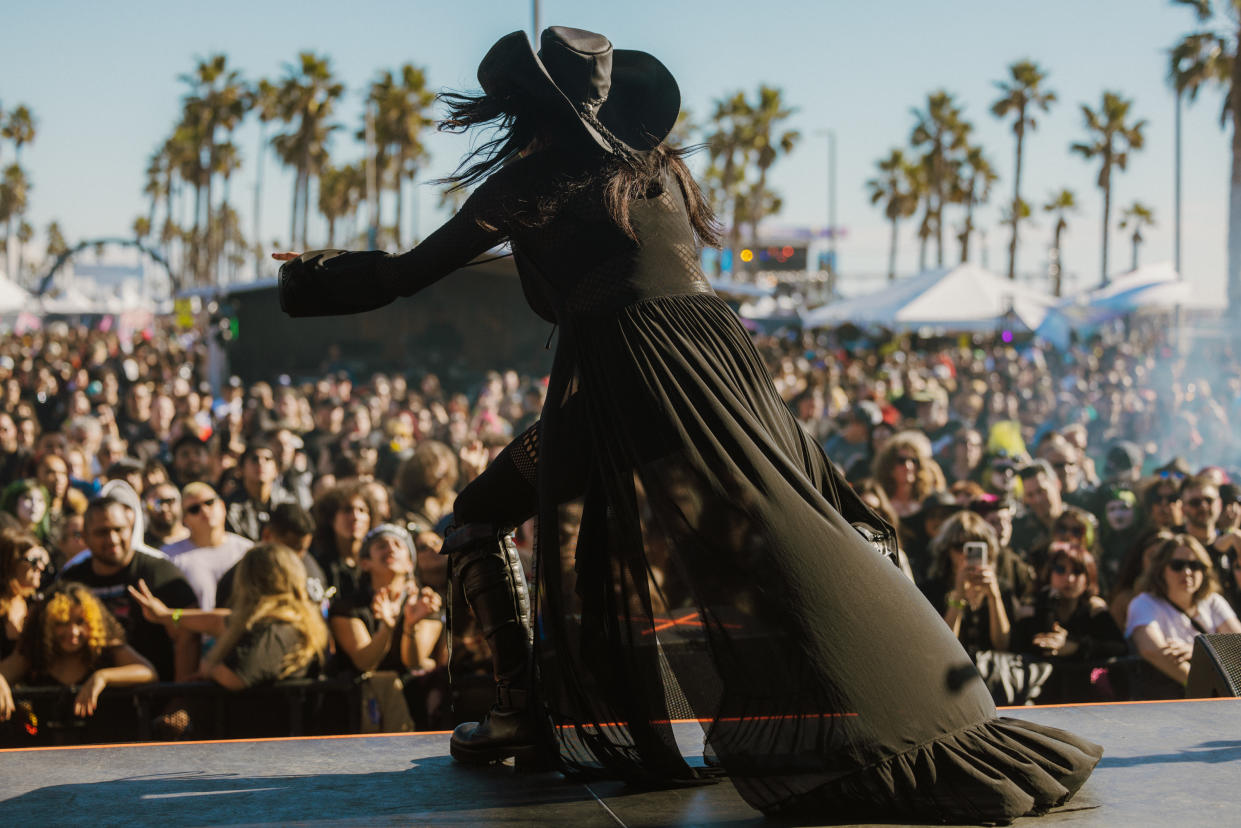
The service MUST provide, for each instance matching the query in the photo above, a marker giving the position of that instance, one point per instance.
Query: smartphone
(976, 553)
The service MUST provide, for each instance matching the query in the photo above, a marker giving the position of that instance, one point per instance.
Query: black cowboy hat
(619, 99)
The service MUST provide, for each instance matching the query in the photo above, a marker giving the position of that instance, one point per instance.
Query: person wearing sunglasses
(1070, 625)
(164, 527)
(1161, 502)
(24, 564)
(210, 550)
(1180, 600)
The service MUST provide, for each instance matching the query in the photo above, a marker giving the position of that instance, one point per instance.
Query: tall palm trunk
(258, 201)
(400, 211)
(1107, 217)
(892, 252)
(1055, 245)
(1012, 243)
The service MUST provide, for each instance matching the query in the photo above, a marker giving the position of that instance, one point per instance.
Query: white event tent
(1155, 287)
(13, 299)
(961, 298)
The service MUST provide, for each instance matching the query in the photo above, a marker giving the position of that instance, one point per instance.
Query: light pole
(534, 13)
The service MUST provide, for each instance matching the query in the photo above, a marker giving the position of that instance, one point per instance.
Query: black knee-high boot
(485, 563)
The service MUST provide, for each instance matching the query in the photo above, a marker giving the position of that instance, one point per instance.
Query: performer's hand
(285, 257)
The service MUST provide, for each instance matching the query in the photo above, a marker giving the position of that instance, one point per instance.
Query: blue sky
(102, 79)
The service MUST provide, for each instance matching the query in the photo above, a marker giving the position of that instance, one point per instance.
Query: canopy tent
(961, 298)
(13, 298)
(1155, 287)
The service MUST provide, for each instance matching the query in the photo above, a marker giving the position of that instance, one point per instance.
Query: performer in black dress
(697, 555)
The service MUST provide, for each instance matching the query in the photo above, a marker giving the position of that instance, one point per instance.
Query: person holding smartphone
(964, 587)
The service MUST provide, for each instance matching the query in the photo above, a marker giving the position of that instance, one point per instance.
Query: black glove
(335, 283)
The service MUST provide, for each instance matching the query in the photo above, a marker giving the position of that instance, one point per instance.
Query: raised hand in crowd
(426, 604)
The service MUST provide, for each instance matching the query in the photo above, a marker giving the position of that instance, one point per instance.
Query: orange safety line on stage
(1116, 703)
(106, 745)
(691, 620)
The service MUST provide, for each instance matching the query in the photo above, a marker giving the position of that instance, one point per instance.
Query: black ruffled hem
(992, 772)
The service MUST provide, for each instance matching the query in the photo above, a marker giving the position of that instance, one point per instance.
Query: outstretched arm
(335, 282)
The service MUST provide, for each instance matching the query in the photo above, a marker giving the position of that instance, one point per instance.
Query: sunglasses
(1072, 531)
(905, 460)
(38, 561)
(164, 501)
(1177, 565)
(195, 508)
(1200, 502)
(1061, 569)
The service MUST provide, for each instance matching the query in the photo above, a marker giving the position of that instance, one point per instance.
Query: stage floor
(1166, 763)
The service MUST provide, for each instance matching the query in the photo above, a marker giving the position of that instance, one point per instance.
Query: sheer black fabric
(699, 558)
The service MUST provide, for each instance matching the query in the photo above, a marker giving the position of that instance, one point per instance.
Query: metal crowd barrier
(294, 707)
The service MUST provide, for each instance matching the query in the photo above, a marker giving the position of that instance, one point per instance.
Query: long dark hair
(619, 179)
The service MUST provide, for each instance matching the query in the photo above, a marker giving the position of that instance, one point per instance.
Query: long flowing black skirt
(708, 568)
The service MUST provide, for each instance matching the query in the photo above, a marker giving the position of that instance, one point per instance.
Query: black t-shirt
(316, 583)
(357, 604)
(259, 656)
(166, 583)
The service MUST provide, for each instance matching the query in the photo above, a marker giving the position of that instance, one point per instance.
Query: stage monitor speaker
(1215, 668)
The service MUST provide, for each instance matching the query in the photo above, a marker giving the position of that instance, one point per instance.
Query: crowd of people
(1075, 516)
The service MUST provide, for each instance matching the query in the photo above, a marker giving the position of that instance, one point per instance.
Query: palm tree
(746, 140)
(893, 189)
(25, 233)
(14, 196)
(264, 99)
(769, 145)
(411, 118)
(729, 150)
(1136, 215)
(1059, 204)
(19, 127)
(1111, 140)
(942, 131)
(56, 244)
(340, 192)
(977, 177)
(217, 101)
(1020, 96)
(1210, 58)
(306, 97)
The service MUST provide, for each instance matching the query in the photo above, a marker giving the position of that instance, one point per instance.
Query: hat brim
(640, 110)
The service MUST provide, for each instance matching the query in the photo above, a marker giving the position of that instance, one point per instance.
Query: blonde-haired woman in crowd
(1179, 599)
(272, 629)
(275, 630)
(71, 639)
(907, 471)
